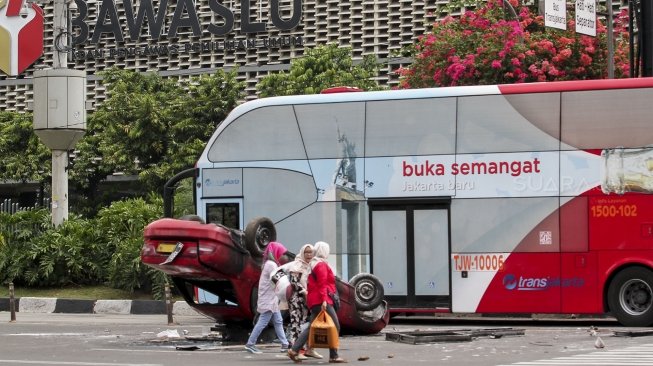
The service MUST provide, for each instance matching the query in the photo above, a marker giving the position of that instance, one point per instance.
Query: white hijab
(300, 264)
(321, 250)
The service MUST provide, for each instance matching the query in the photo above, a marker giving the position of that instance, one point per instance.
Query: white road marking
(636, 355)
(24, 362)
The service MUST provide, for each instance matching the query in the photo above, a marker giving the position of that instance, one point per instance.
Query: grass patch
(73, 292)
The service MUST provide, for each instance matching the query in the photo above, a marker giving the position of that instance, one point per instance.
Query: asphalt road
(134, 340)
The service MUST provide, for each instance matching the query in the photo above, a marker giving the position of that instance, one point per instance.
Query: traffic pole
(169, 305)
(12, 304)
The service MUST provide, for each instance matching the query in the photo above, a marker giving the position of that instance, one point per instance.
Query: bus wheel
(258, 234)
(368, 291)
(630, 297)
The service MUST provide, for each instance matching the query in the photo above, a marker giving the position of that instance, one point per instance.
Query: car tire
(259, 233)
(368, 291)
(630, 297)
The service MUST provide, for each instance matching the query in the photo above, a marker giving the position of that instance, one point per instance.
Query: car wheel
(258, 234)
(630, 297)
(368, 291)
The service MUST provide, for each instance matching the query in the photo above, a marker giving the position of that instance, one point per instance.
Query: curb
(77, 306)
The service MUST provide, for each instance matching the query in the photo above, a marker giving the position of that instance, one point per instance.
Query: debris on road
(457, 335)
(599, 343)
(169, 333)
(633, 333)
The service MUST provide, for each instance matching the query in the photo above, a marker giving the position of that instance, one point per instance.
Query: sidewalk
(77, 306)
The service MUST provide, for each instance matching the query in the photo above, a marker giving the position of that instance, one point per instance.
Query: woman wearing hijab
(268, 303)
(298, 271)
(320, 283)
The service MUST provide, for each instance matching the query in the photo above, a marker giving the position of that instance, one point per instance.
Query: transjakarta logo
(511, 282)
(21, 35)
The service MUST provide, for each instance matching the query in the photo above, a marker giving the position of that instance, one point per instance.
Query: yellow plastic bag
(323, 332)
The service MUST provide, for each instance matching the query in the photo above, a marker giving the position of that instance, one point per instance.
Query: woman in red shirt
(321, 282)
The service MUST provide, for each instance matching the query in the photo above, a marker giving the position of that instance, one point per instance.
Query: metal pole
(12, 304)
(646, 34)
(610, 40)
(59, 186)
(631, 39)
(60, 157)
(60, 24)
(169, 304)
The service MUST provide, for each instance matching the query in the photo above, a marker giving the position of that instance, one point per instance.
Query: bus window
(411, 127)
(332, 130)
(268, 133)
(512, 123)
(605, 129)
(276, 193)
(225, 213)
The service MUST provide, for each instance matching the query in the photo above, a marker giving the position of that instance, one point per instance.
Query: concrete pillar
(59, 186)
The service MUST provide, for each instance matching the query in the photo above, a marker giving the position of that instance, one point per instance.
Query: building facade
(190, 37)
(183, 38)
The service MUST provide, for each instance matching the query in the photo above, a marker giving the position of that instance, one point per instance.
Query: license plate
(166, 248)
(178, 247)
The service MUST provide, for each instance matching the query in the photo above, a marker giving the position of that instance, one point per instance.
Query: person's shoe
(337, 360)
(294, 356)
(301, 357)
(284, 348)
(252, 349)
(313, 353)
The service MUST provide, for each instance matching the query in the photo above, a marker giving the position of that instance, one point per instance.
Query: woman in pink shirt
(268, 303)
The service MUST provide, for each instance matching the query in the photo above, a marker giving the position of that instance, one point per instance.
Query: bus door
(227, 212)
(220, 197)
(410, 250)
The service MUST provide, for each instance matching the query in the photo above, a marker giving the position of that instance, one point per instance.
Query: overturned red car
(227, 263)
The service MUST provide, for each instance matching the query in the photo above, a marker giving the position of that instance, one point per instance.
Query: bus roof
(576, 85)
(455, 91)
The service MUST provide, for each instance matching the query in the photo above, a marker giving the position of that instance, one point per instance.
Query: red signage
(21, 35)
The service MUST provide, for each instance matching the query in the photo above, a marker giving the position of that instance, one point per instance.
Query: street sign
(586, 17)
(555, 14)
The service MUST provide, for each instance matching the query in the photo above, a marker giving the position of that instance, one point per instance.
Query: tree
(493, 46)
(208, 100)
(320, 68)
(151, 126)
(24, 158)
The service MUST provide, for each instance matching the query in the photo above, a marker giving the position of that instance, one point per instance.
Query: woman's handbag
(335, 298)
(323, 332)
(282, 287)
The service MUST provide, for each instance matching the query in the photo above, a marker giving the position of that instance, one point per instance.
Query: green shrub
(122, 226)
(70, 254)
(19, 231)
(81, 251)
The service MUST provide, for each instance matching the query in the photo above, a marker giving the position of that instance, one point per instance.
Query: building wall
(377, 27)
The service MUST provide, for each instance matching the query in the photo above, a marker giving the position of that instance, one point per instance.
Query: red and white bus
(530, 198)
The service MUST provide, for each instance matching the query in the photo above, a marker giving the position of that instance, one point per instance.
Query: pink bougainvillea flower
(489, 46)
